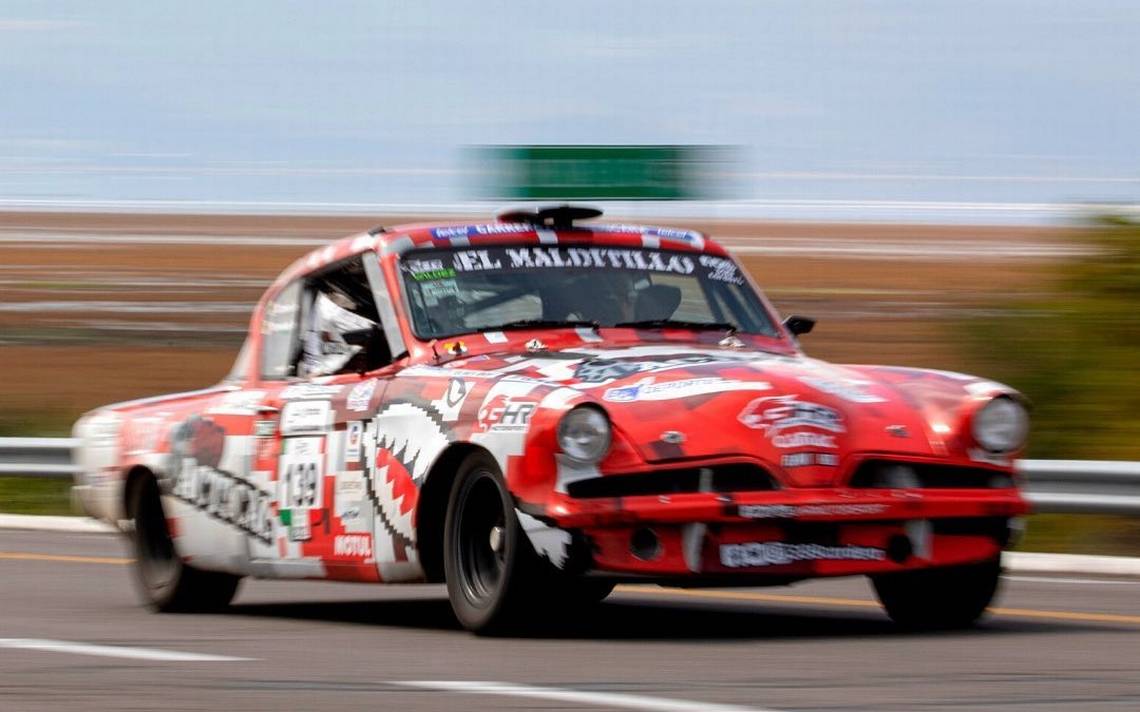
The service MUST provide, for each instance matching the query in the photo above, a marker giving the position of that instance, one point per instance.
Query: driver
(606, 297)
(325, 349)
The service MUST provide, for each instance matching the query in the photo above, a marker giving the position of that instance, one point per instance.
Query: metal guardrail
(1056, 486)
(37, 457)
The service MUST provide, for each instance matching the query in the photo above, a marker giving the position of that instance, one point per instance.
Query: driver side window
(340, 326)
(324, 324)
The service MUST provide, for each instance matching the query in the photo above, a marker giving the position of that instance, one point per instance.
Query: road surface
(73, 636)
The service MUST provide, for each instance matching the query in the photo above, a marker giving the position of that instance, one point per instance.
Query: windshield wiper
(543, 323)
(679, 324)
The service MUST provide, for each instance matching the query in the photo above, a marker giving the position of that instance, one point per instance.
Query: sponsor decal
(721, 269)
(807, 459)
(788, 511)
(505, 414)
(647, 390)
(264, 428)
(353, 437)
(428, 270)
(448, 233)
(804, 439)
(349, 495)
(299, 527)
(449, 405)
(302, 417)
(309, 390)
(777, 553)
(196, 448)
(669, 233)
(360, 397)
(599, 371)
(354, 545)
(849, 389)
(776, 415)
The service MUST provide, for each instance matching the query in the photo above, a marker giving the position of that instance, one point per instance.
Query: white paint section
(611, 700)
(1027, 562)
(548, 541)
(43, 523)
(114, 651)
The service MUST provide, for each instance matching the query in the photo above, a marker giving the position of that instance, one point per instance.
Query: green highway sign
(596, 172)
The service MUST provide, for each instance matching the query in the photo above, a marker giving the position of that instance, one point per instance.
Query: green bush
(1075, 353)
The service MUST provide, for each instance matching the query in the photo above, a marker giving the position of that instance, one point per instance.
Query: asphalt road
(68, 615)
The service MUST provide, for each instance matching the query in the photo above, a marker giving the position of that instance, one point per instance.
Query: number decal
(301, 471)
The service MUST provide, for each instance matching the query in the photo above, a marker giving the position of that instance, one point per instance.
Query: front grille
(715, 478)
(877, 474)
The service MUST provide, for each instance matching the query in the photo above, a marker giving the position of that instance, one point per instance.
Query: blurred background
(942, 184)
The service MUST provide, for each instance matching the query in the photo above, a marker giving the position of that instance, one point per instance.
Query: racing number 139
(300, 473)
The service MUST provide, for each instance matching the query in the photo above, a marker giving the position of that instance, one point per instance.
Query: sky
(375, 102)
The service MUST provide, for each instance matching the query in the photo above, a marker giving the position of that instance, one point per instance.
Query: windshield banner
(536, 257)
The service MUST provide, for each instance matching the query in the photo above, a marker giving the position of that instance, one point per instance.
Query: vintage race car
(535, 409)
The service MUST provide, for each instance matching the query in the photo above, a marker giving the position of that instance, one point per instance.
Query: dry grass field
(99, 308)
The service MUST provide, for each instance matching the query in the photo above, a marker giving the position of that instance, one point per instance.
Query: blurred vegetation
(1075, 352)
(35, 495)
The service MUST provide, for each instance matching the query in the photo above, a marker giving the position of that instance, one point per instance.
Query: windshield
(460, 291)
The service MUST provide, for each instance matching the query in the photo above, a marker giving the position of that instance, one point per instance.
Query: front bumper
(788, 534)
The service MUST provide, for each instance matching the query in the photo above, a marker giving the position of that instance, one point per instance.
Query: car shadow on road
(626, 619)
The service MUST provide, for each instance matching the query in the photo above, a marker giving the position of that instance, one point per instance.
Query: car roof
(398, 239)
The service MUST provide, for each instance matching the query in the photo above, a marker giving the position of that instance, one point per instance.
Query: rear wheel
(942, 598)
(492, 573)
(167, 583)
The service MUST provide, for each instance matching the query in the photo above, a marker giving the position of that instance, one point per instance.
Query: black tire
(167, 583)
(492, 578)
(939, 599)
(584, 592)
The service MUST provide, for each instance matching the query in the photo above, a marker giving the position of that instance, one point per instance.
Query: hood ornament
(899, 431)
(673, 437)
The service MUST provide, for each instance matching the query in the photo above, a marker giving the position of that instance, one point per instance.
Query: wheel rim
(156, 557)
(482, 539)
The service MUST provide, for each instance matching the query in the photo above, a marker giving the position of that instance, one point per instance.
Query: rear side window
(280, 334)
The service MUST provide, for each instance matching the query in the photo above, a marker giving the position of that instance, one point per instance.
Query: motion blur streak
(602, 699)
(113, 651)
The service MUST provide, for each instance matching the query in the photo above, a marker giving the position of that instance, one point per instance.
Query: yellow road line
(29, 556)
(865, 603)
(751, 596)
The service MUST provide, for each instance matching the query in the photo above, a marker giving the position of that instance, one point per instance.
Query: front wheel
(167, 583)
(942, 598)
(492, 573)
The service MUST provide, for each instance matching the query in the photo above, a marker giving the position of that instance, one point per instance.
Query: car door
(322, 405)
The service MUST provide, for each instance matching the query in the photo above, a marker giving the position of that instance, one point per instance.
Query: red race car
(535, 409)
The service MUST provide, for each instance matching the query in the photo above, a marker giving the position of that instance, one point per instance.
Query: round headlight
(1001, 425)
(584, 433)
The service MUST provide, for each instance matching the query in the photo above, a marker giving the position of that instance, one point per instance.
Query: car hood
(671, 402)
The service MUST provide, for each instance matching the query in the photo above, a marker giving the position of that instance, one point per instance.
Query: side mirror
(799, 325)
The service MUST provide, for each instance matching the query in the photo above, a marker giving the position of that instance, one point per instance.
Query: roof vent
(559, 217)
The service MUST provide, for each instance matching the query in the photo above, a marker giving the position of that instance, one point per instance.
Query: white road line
(113, 651)
(1087, 582)
(601, 699)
